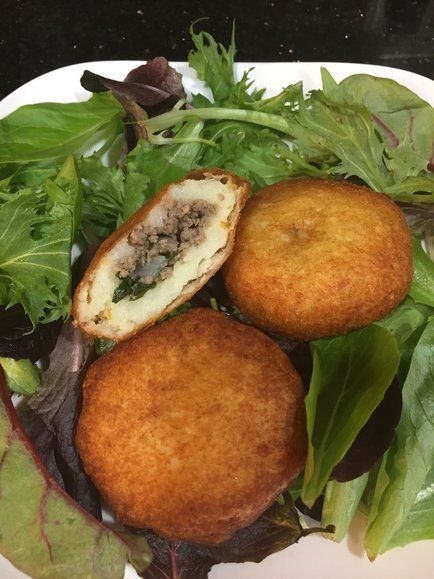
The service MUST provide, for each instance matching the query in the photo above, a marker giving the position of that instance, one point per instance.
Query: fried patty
(193, 427)
(161, 256)
(315, 258)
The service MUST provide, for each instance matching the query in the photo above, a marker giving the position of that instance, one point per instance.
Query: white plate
(314, 557)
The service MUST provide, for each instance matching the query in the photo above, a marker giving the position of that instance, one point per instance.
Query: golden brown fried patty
(193, 427)
(316, 258)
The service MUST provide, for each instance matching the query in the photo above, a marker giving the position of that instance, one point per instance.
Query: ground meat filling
(156, 250)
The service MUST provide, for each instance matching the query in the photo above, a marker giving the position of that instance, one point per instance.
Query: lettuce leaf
(350, 376)
(419, 524)
(214, 64)
(55, 130)
(407, 464)
(405, 121)
(36, 233)
(57, 539)
(278, 528)
(422, 286)
(21, 376)
(341, 501)
(166, 164)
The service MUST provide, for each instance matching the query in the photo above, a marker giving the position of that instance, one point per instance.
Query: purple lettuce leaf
(374, 438)
(155, 86)
(278, 528)
(57, 405)
(148, 90)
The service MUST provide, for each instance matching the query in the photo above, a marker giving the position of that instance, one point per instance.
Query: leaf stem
(167, 120)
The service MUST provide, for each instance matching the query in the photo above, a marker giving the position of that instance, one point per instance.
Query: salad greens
(52, 529)
(21, 376)
(341, 501)
(37, 227)
(406, 468)
(422, 287)
(51, 131)
(278, 528)
(65, 178)
(350, 376)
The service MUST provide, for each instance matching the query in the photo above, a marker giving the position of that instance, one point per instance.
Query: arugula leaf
(413, 189)
(36, 234)
(56, 130)
(422, 286)
(407, 464)
(213, 63)
(21, 376)
(350, 376)
(340, 505)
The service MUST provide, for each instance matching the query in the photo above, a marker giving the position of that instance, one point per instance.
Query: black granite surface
(41, 35)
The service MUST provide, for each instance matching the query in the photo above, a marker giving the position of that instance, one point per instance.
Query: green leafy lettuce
(214, 64)
(37, 229)
(21, 376)
(48, 131)
(405, 474)
(422, 287)
(341, 501)
(350, 376)
(365, 128)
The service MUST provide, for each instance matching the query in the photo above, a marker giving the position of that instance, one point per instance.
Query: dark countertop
(41, 35)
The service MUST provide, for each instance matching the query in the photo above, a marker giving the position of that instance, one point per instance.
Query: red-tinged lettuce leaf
(43, 532)
(374, 438)
(19, 340)
(148, 90)
(57, 404)
(42, 439)
(278, 528)
(144, 94)
(157, 72)
(175, 559)
(148, 85)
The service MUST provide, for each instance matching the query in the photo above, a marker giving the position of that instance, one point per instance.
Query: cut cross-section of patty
(157, 249)
(161, 256)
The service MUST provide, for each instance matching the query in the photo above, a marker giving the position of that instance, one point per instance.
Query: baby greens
(350, 377)
(54, 533)
(406, 468)
(36, 234)
(48, 131)
(55, 188)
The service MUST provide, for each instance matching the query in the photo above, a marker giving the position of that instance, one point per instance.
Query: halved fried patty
(193, 427)
(316, 258)
(161, 256)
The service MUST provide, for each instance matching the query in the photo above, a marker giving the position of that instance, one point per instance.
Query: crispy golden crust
(123, 231)
(316, 258)
(193, 427)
